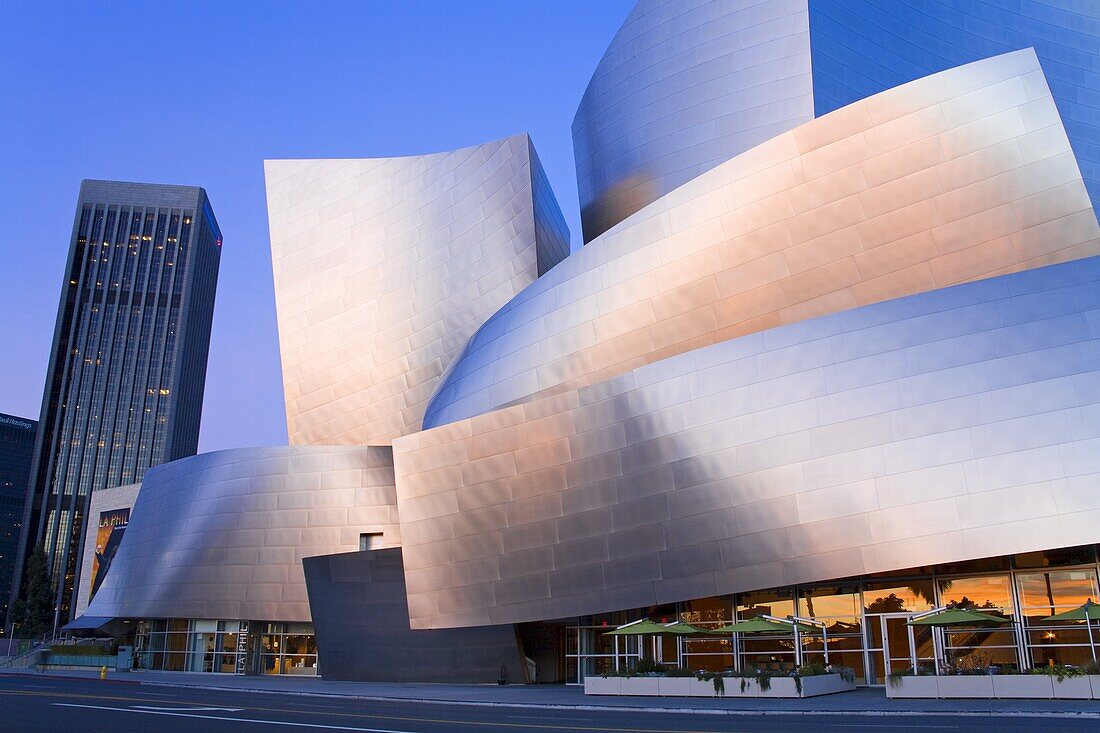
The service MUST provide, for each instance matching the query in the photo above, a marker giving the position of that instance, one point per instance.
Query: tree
(33, 613)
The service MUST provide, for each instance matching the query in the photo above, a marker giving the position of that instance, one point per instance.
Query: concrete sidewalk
(863, 701)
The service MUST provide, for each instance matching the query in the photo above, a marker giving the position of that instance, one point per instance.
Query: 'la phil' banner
(112, 525)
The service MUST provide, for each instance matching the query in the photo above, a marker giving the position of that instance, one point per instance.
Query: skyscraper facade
(16, 449)
(128, 365)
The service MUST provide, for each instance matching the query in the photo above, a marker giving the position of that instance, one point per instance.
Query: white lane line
(893, 725)
(189, 710)
(234, 720)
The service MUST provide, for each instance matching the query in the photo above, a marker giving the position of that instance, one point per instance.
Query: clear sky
(199, 93)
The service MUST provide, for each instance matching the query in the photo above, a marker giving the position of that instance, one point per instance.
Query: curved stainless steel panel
(223, 534)
(954, 177)
(384, 268)
(683, 86)
(861, 47)
(955, 424)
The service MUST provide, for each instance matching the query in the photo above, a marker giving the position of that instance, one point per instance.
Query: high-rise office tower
(128, 365)
(16, 449)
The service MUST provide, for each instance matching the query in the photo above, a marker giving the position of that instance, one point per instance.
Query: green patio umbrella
(1087, 612)
(959, 617)
(762, 626)
(684, 629)
(644, 627)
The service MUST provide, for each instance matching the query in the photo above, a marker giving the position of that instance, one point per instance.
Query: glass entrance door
(894, 646)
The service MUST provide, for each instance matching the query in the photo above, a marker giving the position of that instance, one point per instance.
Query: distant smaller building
(16, 452)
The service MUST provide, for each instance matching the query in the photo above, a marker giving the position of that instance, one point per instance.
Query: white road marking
(190, 710)
(233, 720)
(892, 725)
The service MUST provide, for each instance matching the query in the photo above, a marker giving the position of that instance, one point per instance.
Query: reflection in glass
(912, 597)
(985, 593)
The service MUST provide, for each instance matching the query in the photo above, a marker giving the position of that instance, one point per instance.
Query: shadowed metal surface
(955, 177)
(861, 47)
(955, 424)
(683, 86)
(222, 535)
(384, 268)
(362, 624)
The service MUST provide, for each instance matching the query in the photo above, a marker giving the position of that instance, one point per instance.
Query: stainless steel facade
(222, 535)
(954, 177)
(384, 268)
(862, 47)
(684, 86)
(127, 369)
(807, 349)
(956, 424)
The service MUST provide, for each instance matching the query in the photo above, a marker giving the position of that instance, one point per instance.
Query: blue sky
(199, 93)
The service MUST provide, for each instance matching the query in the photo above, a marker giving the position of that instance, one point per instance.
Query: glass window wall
(1044, 594)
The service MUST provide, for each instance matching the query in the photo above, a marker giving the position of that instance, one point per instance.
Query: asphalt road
(45, 705)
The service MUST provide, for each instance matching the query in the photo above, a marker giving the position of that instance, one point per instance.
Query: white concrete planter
(1004, 686)
(703, 688)
(641, 686)
(1075, 688)
(1026, 686)
(908, 687)
(594, 685)
(978, 685)
(786, 687)
(675, 686)
(778, 687)
(825, 684)
(781, 687)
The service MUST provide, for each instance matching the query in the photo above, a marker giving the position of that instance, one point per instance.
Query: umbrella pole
(825, 643)
(1092, 645)
(616, 654)
(797, 647)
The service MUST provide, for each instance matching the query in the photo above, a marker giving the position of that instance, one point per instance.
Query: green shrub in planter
(1060, 671)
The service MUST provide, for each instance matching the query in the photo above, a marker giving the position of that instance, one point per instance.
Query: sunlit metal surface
(955, 424)
(861, 47)
(222, 535)
(683, 86)
(384, 267)
(955, 177)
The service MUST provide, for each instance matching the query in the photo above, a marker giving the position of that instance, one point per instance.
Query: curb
(1079, 715)
(33, 676)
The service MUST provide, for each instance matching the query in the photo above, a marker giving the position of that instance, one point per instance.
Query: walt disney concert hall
(830, 349)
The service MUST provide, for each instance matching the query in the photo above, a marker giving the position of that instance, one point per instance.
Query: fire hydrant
(103, 672)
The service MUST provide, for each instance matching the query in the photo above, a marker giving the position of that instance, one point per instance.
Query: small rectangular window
(370, 541)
